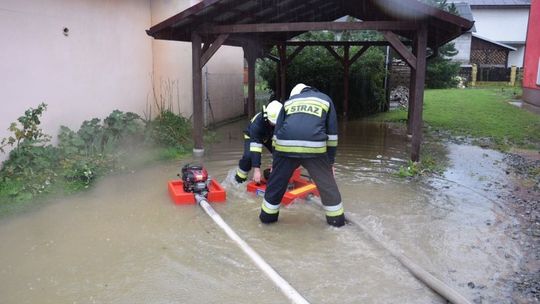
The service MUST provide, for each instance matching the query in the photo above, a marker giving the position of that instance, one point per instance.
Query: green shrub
(441, 73)
(315, 66)
(170, 130)
(34, 167)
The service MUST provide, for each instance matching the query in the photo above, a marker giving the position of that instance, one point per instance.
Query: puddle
(125, 242)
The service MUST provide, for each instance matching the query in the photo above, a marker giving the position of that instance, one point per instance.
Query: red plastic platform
(299, 187)
(216, 193)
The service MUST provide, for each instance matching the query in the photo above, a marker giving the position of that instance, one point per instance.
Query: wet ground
(125, 242)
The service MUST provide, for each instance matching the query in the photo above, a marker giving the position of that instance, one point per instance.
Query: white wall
(506, 26)
(463, 45)
(503, 25)
(106, 62)
(103, 64)
(516, 57)
(172, 65)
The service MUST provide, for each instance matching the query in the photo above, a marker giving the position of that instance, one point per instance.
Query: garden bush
(316, 67)
(34, 167)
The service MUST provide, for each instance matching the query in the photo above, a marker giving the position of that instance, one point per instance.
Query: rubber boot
(267, 218)
(336, 221)
(238, 179)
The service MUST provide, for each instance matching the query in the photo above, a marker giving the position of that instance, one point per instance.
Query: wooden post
(346, 66)
(513, 73)
(198, 149)
(278, 81)
(420, 75)
(283, 72)
(411, 98)
(474, 73)
(251, 58)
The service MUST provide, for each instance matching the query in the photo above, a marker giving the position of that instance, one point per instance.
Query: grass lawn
(478, 112)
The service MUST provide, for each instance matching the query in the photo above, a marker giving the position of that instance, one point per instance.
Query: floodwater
(125, 242)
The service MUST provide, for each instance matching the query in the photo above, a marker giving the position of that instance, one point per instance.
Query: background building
(531, 75)
(500, 27)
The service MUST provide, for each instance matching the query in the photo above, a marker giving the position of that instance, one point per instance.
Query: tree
(441, 71)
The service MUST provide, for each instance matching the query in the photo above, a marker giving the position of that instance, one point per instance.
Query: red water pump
(195, 179)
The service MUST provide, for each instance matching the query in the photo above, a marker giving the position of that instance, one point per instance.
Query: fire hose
(418, 272)
(283, 285)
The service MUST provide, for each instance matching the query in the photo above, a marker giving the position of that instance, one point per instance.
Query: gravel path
(524, 203)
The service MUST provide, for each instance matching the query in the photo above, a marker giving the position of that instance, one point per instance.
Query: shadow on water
(124, 242)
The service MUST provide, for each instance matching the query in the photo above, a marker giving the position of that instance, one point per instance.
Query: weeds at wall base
(37, 171)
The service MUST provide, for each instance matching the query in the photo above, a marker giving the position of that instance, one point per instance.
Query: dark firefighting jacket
(259, 132)
(307, 126)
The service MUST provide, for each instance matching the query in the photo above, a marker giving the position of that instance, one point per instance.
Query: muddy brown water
(125, 242)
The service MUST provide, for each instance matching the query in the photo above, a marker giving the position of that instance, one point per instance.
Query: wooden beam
(272, 57)
(346, 66)
(420, 74)
(251, 58)
(310, 26)
(412, 92)
(335, 43)
(400, 48)
(358, 54)
(197, 94)
(213, 49)
(294, 53)
(335, 54)
(283, 71)
(205, 47)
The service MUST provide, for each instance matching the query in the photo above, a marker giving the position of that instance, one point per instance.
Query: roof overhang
(269, 22)
(494, 42)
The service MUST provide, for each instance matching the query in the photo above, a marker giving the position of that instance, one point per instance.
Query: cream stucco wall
(173, 72)
(104, 63)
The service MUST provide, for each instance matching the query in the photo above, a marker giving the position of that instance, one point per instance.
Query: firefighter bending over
(258, 133)
(305, 134)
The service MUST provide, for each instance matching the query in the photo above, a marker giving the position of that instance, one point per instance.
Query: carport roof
(442, 26)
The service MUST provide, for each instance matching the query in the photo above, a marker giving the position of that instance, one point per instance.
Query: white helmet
(297, 89)
(272, 111)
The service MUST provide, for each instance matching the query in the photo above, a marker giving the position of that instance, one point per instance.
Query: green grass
(480, 113)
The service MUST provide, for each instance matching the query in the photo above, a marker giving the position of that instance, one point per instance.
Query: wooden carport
(258, 25)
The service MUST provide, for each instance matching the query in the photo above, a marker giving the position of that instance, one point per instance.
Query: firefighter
(258, 133)
(305, 134)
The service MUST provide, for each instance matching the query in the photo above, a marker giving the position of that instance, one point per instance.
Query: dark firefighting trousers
(320, 170)
(244, 165)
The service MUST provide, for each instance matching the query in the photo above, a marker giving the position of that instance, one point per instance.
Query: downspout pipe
(286, 288)
(418, 272)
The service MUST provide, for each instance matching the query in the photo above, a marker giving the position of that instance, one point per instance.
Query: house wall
(104, 63)
(531, 74)
(516, 57)
(172, 67)
(507, 25)
(463, 45)
(504, 25)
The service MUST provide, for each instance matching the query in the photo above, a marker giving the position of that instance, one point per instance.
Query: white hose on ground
(285, 287)
(425, 277)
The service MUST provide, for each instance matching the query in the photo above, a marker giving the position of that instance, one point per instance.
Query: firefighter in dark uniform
(305, 134)
(258, 133)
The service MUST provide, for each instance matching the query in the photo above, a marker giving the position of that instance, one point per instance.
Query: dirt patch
(523, 202)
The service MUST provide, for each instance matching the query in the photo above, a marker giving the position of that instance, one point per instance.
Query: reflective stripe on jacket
(258, 133)
(307, 126)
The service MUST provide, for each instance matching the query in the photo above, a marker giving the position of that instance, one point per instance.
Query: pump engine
(195, 179)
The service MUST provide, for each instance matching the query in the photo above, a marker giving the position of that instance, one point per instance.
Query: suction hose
(421, 274)
(285, 287)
